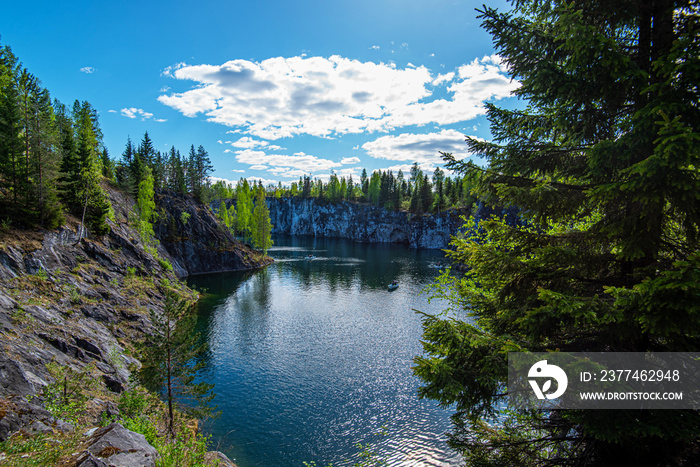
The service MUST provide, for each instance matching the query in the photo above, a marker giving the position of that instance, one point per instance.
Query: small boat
(394, 285)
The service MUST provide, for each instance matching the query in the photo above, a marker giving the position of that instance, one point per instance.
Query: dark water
(312, 357)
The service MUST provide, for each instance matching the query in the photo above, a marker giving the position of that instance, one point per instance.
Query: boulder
(14, 380)
(218, 459)
(116, 446)
(17, 414)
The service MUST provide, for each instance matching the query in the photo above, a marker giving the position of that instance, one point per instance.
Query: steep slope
(195, 241)
(85, 302)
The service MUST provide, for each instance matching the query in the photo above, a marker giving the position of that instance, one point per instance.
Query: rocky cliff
(195, 241)
(363, 223)
(83, 303)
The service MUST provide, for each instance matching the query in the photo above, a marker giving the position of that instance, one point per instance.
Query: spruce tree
(425, 194)
(107, 165)
(603, 166)
(147, 152)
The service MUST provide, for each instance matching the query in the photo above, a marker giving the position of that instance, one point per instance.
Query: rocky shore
(82, 303)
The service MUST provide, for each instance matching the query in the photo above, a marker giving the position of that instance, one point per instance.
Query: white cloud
(265, 181)
(250, 143)
(349, 160)
(282, 97)
(130, 113)
(238, 171)
(286, 172)
(300, 160)
(443, 78)
(374, 47)
(258, 167)
(112, 111)
(251, 179)
(88, 69)
(133, 112)
(421, 148)
(227, 181)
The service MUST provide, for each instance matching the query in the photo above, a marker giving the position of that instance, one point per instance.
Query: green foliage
(245, 209)
(41, 274)
(65, 398)
(140, 411)
(171, 358)
(29, 147)
(603, 165)
(39, 450)
(223, 215)
(184, 217)
(184, 450)
(261, 226)
(165, 264)
(146, 207)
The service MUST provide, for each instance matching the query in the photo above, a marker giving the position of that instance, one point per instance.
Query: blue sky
(272, 89)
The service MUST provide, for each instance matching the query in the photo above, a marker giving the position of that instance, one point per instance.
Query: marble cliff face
(363, 223)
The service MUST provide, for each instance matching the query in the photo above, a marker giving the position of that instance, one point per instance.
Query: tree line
(250, 216)
(420, 192)
(53, 160)
(170, 170)
(51, 156)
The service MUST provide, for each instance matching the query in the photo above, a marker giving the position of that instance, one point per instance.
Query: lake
(311, 357)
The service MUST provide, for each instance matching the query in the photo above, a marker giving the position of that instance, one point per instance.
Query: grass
(40, 450)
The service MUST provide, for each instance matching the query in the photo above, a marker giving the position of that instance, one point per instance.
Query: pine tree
(603, 166)
(364, 184)
(107, 165)
(11, 141)
(438, 182)
(124, 170)
(147, 152)
(425, 194)
(171, 360)
(176, 172)
(374, 188)
(200, 168)
(349, 194)
(95, 205)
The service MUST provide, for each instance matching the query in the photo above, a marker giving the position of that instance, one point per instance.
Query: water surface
(311, 357)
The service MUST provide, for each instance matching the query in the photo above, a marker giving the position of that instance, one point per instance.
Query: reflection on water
(310, 357)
